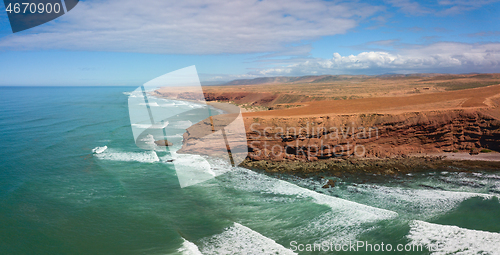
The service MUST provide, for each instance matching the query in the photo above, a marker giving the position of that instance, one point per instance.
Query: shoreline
(403, 143)
(395, 166)
(461, 156)
(224, 107)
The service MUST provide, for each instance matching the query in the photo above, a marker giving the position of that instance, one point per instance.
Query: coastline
(393, 143)
(372, 166)
(224, 107)
(464, 156)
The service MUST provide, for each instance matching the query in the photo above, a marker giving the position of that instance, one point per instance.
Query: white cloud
(484, 34)
(467, 3)
(409, 7)
(443, 7)
(438, 57)
(191, 27)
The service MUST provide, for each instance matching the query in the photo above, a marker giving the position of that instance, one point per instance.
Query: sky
(125, 42)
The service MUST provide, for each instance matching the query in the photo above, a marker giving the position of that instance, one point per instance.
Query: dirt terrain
(453, 114)
(468, 98)
(454, 121)
(287, 92)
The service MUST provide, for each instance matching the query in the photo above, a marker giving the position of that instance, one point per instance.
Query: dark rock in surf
(329, 184)
(163, 143)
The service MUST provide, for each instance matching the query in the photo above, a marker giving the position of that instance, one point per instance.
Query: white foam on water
(477, 182)
(466, 182)
(174, 136)
(153, 104)
(180, 102)
(332, 227)
(496, 188)
(148, 138)
(252, 181)
(167, 105)
(239, 239)
(196, 106)
(491, 176)
(174, 105)
(189, 248)
(133, 94)
(344, 222)
(219, 166)
(98, 150)
(154, 126)
(115, 155)
(442, 239)
(171, 102)
(143, 126)
(150, 141)
(191, 161)
(182, 124)
(191, 169)
(422, 202)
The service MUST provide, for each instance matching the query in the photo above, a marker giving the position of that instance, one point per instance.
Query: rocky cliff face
(371, 135)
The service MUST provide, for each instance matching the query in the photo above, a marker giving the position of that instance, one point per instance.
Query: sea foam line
(114, 155)
(239, 239)
(441, 239)
(343, 222)
(252, 181)
(189, 248)
(423, 202)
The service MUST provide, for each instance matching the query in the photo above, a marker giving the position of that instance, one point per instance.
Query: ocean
(59, 197)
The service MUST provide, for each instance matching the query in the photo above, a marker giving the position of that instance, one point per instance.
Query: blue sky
(125, 42)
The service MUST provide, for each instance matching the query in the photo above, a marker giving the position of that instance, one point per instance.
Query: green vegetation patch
(456, 85)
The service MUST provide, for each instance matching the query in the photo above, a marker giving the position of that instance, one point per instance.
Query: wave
(239, 239)
(155, 104)
(343, 222)
(466, 181)
(98, 150)
(191, 169)
(151, 126)
(495, 189)
(252, 181)
(114, 155)
(423, 203)
(144, 126)
(175, 136)
(182, 124)
(189, 248)
(133, 94)
(196, 106)
(488, 175)
(441, 239)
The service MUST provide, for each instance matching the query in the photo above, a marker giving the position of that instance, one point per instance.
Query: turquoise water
(57, 197)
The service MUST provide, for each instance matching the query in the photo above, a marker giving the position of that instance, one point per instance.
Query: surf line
(151, 118)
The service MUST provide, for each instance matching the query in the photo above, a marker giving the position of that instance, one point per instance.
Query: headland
(390, 124)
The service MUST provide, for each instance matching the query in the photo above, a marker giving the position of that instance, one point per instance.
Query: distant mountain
(281, 79)
(321, 78)
(413, 75)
